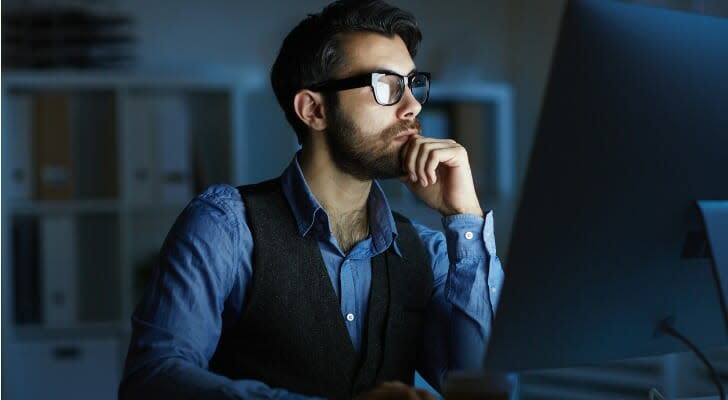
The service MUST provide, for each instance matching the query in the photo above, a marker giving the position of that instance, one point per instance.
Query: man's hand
(395, 390)
(439, 174)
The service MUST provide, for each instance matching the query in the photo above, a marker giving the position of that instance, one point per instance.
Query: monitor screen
(633, 131)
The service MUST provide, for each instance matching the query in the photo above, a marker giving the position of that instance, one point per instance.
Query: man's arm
(198, 288)
(468, 279)
(466, 269)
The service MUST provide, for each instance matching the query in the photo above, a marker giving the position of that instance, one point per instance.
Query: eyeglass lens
(388, 88)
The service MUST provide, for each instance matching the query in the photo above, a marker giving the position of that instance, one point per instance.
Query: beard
(366, 156)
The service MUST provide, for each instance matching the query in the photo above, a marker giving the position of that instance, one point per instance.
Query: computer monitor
(633, 131)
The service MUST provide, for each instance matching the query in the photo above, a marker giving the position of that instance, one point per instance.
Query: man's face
(365, 138)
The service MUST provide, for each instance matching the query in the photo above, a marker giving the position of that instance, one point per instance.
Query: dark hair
(311, 52)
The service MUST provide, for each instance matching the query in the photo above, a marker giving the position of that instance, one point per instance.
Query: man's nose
(409, 107)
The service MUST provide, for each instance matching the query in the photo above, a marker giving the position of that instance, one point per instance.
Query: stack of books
(65, 38)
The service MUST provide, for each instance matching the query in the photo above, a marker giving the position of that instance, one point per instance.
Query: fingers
(399, 390)
(422, 156)
(423, 394)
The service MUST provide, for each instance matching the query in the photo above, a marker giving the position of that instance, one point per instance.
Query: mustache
(399, 127)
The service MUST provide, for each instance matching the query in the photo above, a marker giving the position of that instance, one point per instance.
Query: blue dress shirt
(205, 270)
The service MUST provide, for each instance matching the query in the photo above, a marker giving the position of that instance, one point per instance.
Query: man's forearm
(468, 278)
(175, 378)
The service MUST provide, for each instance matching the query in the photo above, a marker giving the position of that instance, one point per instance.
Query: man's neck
(343, 196)
(338, 192)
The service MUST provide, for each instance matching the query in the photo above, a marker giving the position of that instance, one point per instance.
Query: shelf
(176, 206)
(34, 207)
(97, 167)
(80, 330)
(92, 79)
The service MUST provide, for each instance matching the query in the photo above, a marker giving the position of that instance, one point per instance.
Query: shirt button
(493, 290)
(349, 317)
(468, 235)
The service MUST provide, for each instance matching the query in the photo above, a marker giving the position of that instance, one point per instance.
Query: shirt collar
(310, 215)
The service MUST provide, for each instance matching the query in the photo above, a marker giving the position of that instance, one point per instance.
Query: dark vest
(291, 333)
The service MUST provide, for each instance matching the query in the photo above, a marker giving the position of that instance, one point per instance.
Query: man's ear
(309, 107)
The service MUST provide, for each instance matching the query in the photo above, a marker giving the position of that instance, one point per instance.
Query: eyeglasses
(387, 86)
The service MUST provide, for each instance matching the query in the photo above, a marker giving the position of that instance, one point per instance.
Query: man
(308, 285)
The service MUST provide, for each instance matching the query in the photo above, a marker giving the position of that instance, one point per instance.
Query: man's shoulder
(419, 227)
(269, 186)
(400, 218)
(233, 202)
(219, 193)
(428, 237)
(222, 201)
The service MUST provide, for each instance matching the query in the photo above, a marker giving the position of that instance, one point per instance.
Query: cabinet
(95, 168)
(70, 369)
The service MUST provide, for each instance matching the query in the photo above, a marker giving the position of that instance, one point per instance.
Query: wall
(532, 38)
(187, 34)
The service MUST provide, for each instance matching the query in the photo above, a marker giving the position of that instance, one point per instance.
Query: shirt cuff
(469, 236)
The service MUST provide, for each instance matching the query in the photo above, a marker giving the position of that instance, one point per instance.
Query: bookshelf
(95, 168)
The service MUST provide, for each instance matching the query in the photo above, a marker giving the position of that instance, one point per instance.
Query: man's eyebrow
(389, 71)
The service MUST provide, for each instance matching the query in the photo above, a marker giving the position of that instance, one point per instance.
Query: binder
(175, 151)
(159, 155)
(95, 145)
(141, 170)
(26, 270)
(52, 139)
(59, 263)
(18, 117)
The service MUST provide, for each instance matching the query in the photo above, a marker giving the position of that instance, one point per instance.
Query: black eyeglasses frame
(368, 79)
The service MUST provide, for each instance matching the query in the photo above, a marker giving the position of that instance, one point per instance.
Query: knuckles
(422, 146)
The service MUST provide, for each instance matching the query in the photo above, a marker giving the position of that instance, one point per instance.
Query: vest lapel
(376, 325)
(328, 306)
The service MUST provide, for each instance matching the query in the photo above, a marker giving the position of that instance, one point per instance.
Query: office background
(209, 62)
